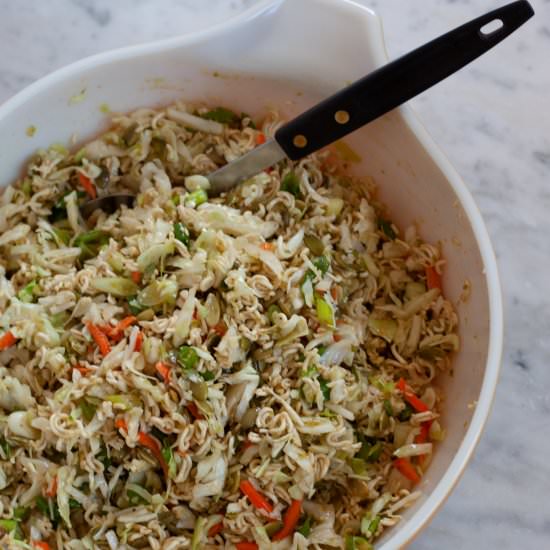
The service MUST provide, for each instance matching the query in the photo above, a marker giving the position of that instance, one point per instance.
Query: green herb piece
(90, 243)
(181, 233)
(168, 455)
(221, 115)
(135, 306)
(103, 456)
(26, 294)
(373, 525)
(322, 264)
(74, 504)
(11, 526)
(21, 513)
(207, 375)
(386, 228)
(370, 452)
(305, 528)
(291, 184)
(188, 357)
(406, 413)
(309, 372)
(321, 350)
(49, 508)
(324, 388)
(196, 198)
(388, 407)
(87, 409)
(6, 448)
(251, 124)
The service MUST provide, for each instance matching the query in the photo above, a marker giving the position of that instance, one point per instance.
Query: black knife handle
(397, 82)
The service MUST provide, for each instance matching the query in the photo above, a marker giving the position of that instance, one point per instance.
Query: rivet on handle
(299, 141)
(341, 117)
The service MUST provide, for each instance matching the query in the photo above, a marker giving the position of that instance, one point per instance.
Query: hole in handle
(490, 28)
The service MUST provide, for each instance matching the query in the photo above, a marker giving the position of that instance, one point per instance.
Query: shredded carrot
(255, 497)
(43, 545)
(423, 437)
(121, 424)
(82, 370)
(246, 546)
(125, 323)
(139, 341)
(195, 315)
(220, 328)
(51, 491)
(267, 246)
(7, 340)
(290, 520)
(100, 338)
(152, 444)
(194, 410)
(87, 184)
(260, 138)
(334, 293)
(407, 469)
(336, 337)
(136, 277)
(164, 370)
(415, 402)
(146, 441)
(215, 529)
(433, 278)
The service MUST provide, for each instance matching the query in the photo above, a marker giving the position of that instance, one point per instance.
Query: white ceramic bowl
(289, 55)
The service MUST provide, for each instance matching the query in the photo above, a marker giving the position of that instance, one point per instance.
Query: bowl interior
(271, 59)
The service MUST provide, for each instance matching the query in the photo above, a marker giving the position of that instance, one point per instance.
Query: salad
(254, 370)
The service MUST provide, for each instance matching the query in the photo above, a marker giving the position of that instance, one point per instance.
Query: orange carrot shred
(415, 402)
(87, 184)
(164, 370)
(7, 340)
(215, 529)
(136, 277)
(220, 328)
(51, 491)
(139, 341)
(260, 138)
(267, 246)
(194, 410)
(433, 279)
(100, 338)
(255, 497)
(121, 424)
(152, 444)
(246, 546)
(43, 545)
(290, 520)
(407, 469)
(82, 370)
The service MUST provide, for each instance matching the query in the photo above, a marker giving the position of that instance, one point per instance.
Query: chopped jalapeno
(181, 233)
(291, 184)
(188, 357)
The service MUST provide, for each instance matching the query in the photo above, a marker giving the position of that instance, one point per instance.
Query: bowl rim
(410, 528)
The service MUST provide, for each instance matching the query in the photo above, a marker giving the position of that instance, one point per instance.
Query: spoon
(366, 99)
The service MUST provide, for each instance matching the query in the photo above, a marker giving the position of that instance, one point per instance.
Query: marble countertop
(493, 121)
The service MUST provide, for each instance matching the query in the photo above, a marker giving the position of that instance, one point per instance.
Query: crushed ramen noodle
(249, 371)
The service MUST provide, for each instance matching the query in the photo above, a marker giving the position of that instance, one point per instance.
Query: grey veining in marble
(493, 121)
